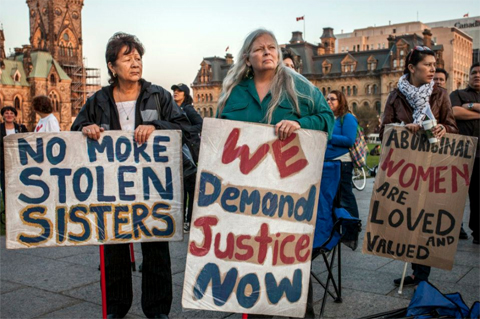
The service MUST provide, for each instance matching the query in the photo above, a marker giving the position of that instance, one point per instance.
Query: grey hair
(283, 84)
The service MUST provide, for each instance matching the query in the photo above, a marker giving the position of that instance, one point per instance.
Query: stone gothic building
(52, 64)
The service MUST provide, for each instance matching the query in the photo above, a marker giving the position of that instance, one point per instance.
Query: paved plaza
(64, 282)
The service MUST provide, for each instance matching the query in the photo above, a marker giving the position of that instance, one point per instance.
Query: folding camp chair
(331, 220)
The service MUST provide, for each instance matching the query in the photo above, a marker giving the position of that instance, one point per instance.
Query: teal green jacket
(244, 105)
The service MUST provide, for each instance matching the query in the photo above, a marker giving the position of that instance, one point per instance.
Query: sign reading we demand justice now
(419, 197)
(64, 189)
(253, 221)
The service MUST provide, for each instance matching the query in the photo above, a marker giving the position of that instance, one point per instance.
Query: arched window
(198, 97)
(343, 89)
(16, 78)
(55, 101)
(328, 90)
(354, 90)
(366, 104)
(402, 63)
(324, 92)
(203, 98)
(378, 107)
(16, 102)
(354, 107)
(53, 80)
(375, 89)
(211, 112)
(349, 91)
(211, 98)
(395, 63)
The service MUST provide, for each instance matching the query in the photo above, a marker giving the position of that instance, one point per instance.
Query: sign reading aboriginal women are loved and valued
(419, 196)
(64, 189)
(253, 221)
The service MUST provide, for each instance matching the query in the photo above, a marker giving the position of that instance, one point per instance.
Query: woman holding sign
(261, 89)
(417, 99)
(129, 104)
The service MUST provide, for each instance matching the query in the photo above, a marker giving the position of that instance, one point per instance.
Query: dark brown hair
(115, 44)
(342, 103)
(42, 103)
(8, 108)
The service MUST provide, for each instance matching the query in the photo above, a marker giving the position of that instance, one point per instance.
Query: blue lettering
(208, 199)
(140, 150)
(220, 291)
(25, 179)
(62, 185)
(77, 178)
(252, 199)
(61, 224)
(281, 206)
(244, 300)
(157, 148)
(269, 210)
(54, 160)
(293, 290)
(122, 183)
(122, 140)
(101, 197)
(231, 193)
(24, 148)
(164, 192)
(45, 225)
(138, 225)
(166, 218)
(306, 205)
(99, 211)
(78, 216)
(118, 221)
(94, 146)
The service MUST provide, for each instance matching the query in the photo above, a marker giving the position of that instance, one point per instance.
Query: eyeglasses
(331, 99)
(420, 48)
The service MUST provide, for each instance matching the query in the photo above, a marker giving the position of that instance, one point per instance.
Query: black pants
(188, 196)
(421, 272)
(347, 198)
(156, 279)
(473, 195)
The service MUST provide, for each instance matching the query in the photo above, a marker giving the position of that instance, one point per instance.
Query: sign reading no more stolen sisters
(419, 196)
(253, 221)
(64, 189)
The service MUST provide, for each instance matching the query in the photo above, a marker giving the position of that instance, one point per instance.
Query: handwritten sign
(419, 196)
(253, 220)
(64, 189)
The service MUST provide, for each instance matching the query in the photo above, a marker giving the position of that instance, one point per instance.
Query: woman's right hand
(92, 131)
(413, 127)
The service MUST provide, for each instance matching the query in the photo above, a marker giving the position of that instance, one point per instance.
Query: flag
(227, 48)
(301, 18)
(465, 15)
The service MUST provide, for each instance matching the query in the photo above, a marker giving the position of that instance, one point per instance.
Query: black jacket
(195, 119)
(19, 128)
(101, 109)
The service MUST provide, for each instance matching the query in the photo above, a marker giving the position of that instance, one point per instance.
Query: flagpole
(304, 33)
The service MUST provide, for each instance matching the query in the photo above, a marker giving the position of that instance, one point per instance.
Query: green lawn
(372, 160)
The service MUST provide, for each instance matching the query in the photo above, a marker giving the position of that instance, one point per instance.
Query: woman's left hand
(142, 133)
(285, 128)
(439, 131)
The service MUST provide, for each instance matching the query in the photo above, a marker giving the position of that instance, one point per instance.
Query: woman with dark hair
(42, 105)
(7, 127)
(181, 95)
(128, 104)
(416, 99)
(288, 59)
(343, 137)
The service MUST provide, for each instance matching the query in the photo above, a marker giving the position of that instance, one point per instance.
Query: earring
(249, 74)
(114, 75)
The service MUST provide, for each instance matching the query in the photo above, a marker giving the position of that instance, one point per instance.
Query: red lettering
(403, 174)
(228, 253)
(439, 180)
(206, 224)
(282, 157)
(388, 164)
(249, 250)
(231, 152)
(263, 239)
(465, 175)
(302, 243)
(284, 258)
(424, 175)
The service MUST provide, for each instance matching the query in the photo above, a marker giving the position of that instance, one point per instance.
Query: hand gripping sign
(253, 221)
(66, 190)
(419, 196)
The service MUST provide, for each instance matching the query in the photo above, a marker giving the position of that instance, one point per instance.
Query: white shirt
(12, 131)
(48, 124)
(126, 113)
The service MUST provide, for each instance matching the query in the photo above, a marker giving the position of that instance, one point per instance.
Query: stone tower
(56, 27)
(328, 40)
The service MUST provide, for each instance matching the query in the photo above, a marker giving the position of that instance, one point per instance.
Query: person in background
(44, 108)
(288, 59)
(440, 78)
(343, 137)
(7, 127)
(181, 96)
(416, 97)
(259, 88)
(466, 109)
(129, 104)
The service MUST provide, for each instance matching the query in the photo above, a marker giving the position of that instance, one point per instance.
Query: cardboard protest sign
(419, 196)
(253, 221)
(64, 189)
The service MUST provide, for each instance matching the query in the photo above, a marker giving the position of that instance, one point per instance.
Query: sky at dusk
(177, 35)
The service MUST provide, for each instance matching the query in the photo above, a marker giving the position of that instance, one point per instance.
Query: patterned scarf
(418, 98)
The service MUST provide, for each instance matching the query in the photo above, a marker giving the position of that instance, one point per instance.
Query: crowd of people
(263, 86)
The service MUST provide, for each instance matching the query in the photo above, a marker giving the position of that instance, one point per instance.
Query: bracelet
(470, 106)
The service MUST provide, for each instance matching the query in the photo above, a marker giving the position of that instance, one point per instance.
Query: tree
(367, 118)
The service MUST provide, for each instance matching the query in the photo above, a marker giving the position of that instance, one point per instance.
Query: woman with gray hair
(261, 89)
